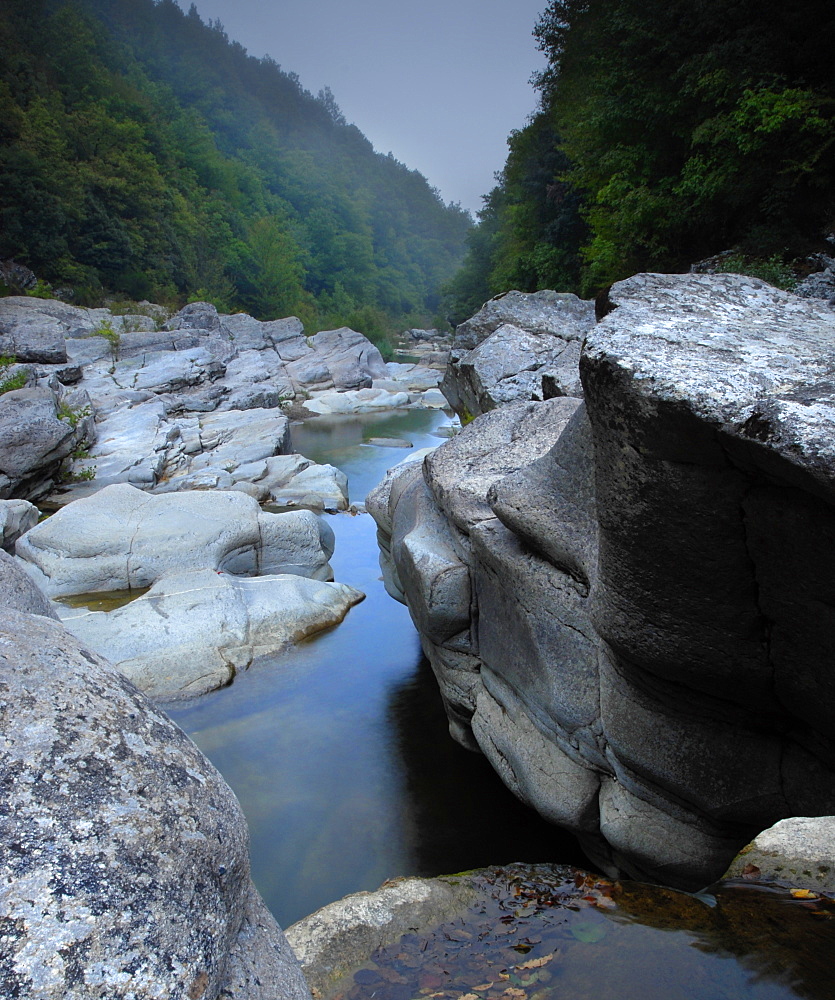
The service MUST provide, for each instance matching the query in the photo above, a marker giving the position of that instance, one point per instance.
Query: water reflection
(543, 933)
(338, 749)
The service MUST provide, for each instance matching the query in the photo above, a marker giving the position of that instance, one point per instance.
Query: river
(338, 749)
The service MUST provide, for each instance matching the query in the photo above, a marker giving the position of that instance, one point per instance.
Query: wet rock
(122, 538)
(341, 936)
(126, 869)
(194, 630)
(799, 851)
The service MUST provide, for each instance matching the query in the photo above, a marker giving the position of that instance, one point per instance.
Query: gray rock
(461, 471)
(559, 314)
(16, 518)
(352, 360)
(647, 655)
(35, 440)
(194, 630)
(32, 331)
(340, 937)
(19, 591)
(122, 538)
(130, 875)
(511, 365)
(799, 852)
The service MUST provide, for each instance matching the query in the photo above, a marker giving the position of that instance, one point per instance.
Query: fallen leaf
(804, 894)
(535, 963)
(513, 992)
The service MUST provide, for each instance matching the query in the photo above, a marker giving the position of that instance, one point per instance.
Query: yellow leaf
(470, 996)
(482, 988)
(804, 894)
(535, 963)
(514, 993)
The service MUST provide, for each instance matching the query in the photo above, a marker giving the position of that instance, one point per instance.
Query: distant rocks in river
(114, 399)
(629, 615)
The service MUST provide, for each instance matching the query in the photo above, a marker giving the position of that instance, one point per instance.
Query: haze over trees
(144, 153)
(666, 132)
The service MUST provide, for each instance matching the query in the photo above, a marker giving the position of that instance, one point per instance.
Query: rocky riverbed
(596, 565)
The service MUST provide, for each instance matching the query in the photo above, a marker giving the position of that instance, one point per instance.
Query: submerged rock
(125, 871)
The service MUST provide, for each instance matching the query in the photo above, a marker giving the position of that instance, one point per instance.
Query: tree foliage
(671, 132)
(142, 152)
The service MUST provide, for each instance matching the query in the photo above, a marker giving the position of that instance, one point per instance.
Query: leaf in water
(469, 996)
(587, 932)
(804, 894)
(481, 988)
(513, 992)
(537, 963)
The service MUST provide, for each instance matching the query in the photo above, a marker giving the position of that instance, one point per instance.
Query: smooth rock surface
(19, 591)
(126, 873)
(122, 538)
(194, 630)
(799, 851)
(341, 936)
(647, 655)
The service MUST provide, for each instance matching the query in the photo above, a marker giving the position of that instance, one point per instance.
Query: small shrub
(105, 329)
(10, 382)
(772, 269)
(41, 290)
(71, 415)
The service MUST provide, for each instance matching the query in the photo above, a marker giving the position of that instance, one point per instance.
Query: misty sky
(440, 83)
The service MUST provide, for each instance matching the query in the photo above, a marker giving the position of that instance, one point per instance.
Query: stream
(339, 753)
(338, 749)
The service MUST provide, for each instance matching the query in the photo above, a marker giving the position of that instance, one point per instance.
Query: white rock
(121, 538)
(194, 630)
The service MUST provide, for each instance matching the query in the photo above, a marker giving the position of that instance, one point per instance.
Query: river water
(338, 749)
(339, 753)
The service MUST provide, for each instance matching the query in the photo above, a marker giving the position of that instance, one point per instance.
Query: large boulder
(519, 346)
(125, 866)
(646, 656)
(194, 630)
(122, 538)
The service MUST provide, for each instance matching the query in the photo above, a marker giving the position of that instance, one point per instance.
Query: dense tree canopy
(142, 152)
(666, 132)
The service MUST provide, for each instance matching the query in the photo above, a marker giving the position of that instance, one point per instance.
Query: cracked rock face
(519, 346)
(647, 656)
(125, 870)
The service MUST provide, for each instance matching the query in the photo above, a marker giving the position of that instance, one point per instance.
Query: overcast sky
(439, 83)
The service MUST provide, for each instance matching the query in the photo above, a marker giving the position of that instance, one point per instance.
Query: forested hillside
(667, 131)
(142, 152)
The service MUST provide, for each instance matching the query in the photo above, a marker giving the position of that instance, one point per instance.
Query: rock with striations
(39, 431)
(125, 871)
(649, 645)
